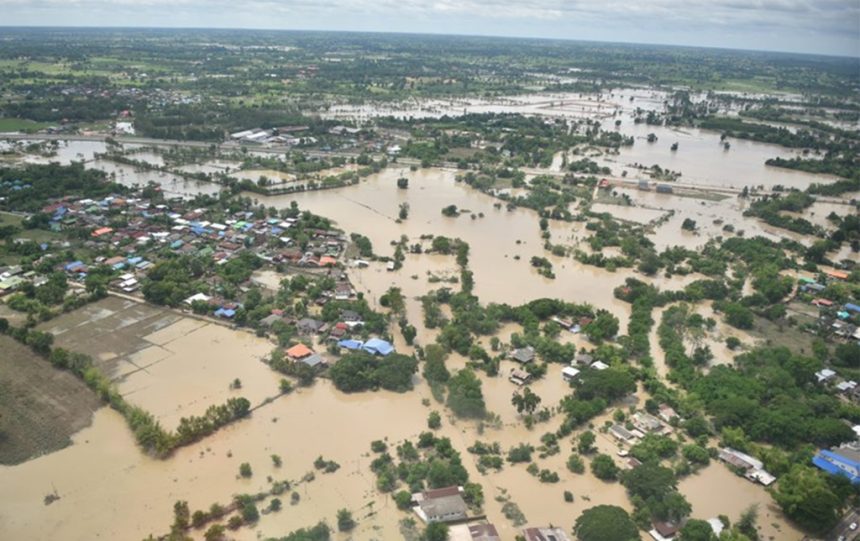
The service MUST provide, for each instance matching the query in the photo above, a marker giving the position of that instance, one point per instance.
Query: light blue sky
(811, 26)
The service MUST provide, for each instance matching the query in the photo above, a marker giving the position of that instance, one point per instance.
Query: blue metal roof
(821, 461)
(350, 344)
(377, 346)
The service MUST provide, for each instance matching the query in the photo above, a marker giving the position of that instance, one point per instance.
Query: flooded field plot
(40, 407)
(171, 366)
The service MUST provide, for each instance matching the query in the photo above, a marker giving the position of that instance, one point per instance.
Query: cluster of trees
(770, 210)
(50, 181)
(361, 371)
(770, 395)
(465, 397)
(430, 462)
(594, 391)
(194, 428)
(170, 281)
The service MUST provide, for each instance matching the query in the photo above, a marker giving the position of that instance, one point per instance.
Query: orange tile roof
(299, 351)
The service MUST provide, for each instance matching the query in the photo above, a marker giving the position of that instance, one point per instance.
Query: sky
(805, 26)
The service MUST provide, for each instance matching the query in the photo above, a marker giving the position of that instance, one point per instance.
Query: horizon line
(441, 34)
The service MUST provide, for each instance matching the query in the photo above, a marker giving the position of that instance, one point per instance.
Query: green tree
(436, 531)
(465, 397)
(526, 402)
(216, 532)
(697, 530)
(603, 327)
(603, 467)
(806, 497)
(345, 522)
(434, 420)
(585, 442)
(605, 523)
(575, 464)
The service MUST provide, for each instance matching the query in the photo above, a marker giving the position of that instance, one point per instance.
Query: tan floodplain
(176, 366)
(110, 490)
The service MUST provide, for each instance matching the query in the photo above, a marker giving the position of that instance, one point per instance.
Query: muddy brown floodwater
(175, 365)
(371, 209)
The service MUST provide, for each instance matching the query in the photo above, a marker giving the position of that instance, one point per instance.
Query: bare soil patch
(40, 406)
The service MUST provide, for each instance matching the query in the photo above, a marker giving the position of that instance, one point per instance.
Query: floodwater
(701, 159)
(172, 185)
(181, 365)
(158, 358)
(111, 476)
(738, 494)
(371, 209)
(276, 177)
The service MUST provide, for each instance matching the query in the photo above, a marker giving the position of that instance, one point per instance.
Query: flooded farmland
(175, 365)
(112, 475)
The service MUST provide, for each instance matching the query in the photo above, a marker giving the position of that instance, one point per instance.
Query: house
(545, 534)
(350, 316)
(201, 297)
(739, 460)
(851, 307)
(313, 361)
(299, 351)
(523, 355)
(843, 461)
(666, 413)
(519, 377)
(662, 531)
(583, 359)
(814, 287)
(377, 346)
(339, 331)
(441, 504)
(846, 386)
(11, 284)
(717, 526)
(630, 463)
(836, 275)
(309, 326)
(825, 374)
(483, 532)
(270, 320)
(753, 469)
(569, 373)
(646, 422)
(225, 313)
(352, 345)
(129, 285)
(599, 365)
(622, 434)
